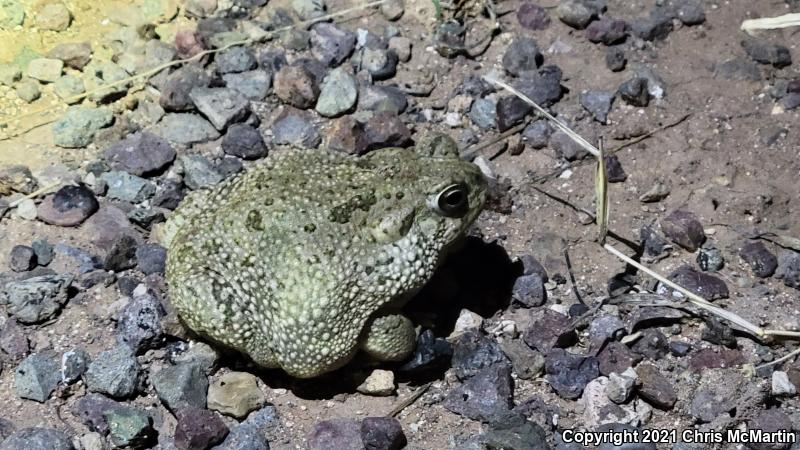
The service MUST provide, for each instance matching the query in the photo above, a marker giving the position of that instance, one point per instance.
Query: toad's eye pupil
(453, 200)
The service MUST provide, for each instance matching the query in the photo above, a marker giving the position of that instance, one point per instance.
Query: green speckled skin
(306, 258)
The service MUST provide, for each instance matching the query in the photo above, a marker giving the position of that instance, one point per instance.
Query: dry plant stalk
(601, 199)
(771, 23)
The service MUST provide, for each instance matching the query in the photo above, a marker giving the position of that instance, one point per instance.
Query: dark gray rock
(684, 229)
(521, 56)
(707, 286)
(566, 147)
(537, 134)
(168, 194)
(510, 111)
(235, 60)
(344, 434)
(199, 429)
(607, 31)
(294, 128)
(615, 59)
(485, 397)
(37, 376)
(529, 291)
(126, 187)
(37, 439)
(380, 63)
(542, 86)
(533, 16)
(473, 352)
(598, 103)
(652, 345)
(656, 27)
(151, 258)
(139, 323)
(604, 328)
(244, 437)
(527, 363)
(222, 106)
(759, 258)
(331, 44)
(689, 12)
(141, 153)
(90, 410)
(634, 92)
(22, 258)
(766, 52)
(382, 433)
(13, 341)
(679, 348)
(483, 113)
(577, 13)
(386, 129)
(655, 387)
(430, 352)
(614, 171)
(121, 254)
(515, 433)
(551, 330)
(181, 386)
(770, 421)
(114, 372)
(178, 85)
(69, 206)
(710, 259)
(186, 129)
(244, 141)
(789, 268)
(791, 101)
(616, 357)
(36, 299)
(253, 84)
(719, 333)
(199, 172)
(381, 99)
(568, 374)
(73, 365)
(738, 69)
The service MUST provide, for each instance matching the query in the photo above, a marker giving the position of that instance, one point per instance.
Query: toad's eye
(453, 201)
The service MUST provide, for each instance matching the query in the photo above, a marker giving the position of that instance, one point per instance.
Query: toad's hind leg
(213, 308)
(389, 337)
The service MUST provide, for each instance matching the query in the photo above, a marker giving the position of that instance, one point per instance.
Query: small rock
(770, 421)
(537, 134)
(620, 386)
(568, 374)
(652, 344)
(430, 352)
(244, 437)
(151, 258)
(606, 30)
(129, 427)
(598, 103)
(690, 12)
(382, 433)
(386, 129)
(659, 191)
(380, 63)
(738, 69)
(684, 229)
(222, 106)
(473, 352)
(26, 209)
(296, 86)
(467, 320)
(178, 85)
(235, 394)
(73, 365)
(97, 77)
(235, 60)
(655, 388)
(605, 328)
(543, 86)
(634, 92)
(308, 9)
(615, 59)
(13, 341)
(244, 141)
(766, 52)
(53, 16)
(36, 377)
(781, 386)
(126, 187)
(75, 55)
(483, 113)
(401, 46)
(655, 27)
(36, 299)
(331, 44)
(789, 268)
(339, 434)
(140, 154)
(527, 363)
(347, 135)
(139, 323)
(761, 260)
(532, 16)
(707, 286)
(79, 125)
(114, 372)
(522, 56)
(47, 70)
(484, 397)
(22, 258)
(614, 171)
(510, 111)
(28, 90)
(393, 10)
(253, 84)
(338, 93)
(43, 251)
(576, 13)
(68, 87)
(9, 74)
(616, 357)
(186, 129)
(597, 409)
(679, 348)
(710, 259)
(293, 128)
(37, 439)
(529, 291)
(199, 429)
(381, 99)
(565, 147)
(379, 383)
(550, 331)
